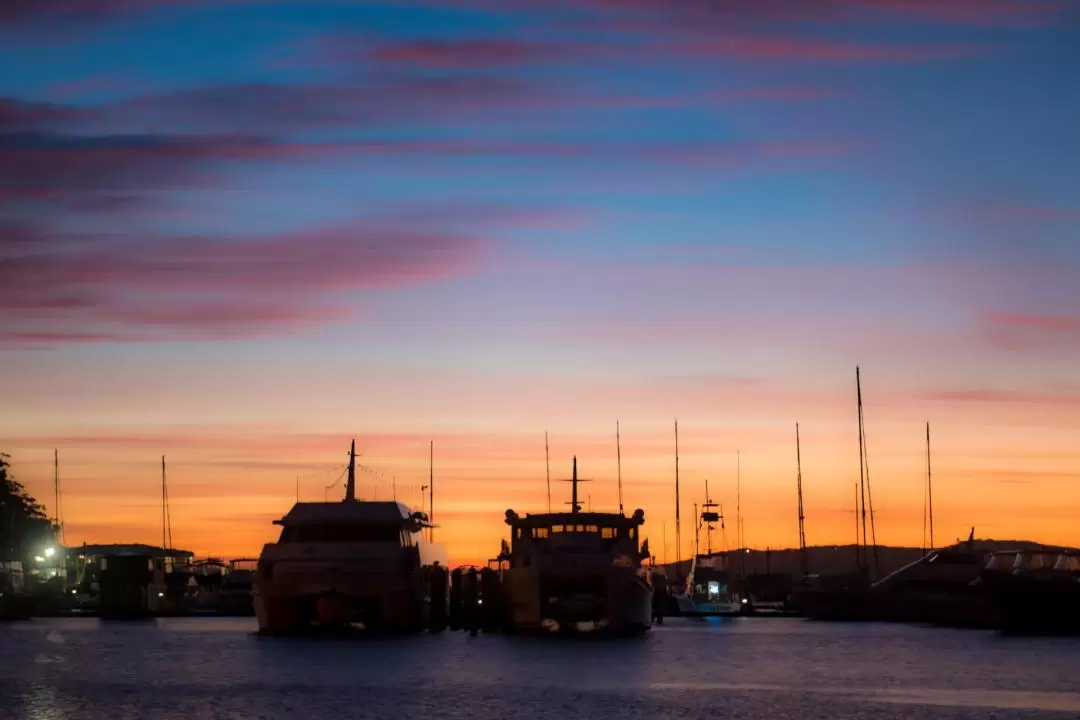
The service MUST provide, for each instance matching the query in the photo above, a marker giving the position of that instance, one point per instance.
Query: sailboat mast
(862, 467)
(866, 466)
(164, 505)
(678, 529)
(350, 484)
(697, 533)
(802, 518)
(738, 498)
(618, 460)
(929, 486)
(708, 526)
(663, 530)
(547, 463)
(56, 491)
(858, 556)
(431, 490)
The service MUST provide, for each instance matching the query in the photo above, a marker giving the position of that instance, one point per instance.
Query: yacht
(1036, 591)
(350, 563)
(576, 571)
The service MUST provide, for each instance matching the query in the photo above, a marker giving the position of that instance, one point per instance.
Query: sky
(240, 234)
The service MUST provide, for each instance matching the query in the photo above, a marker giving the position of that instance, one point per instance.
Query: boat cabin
(574, 539)
(352, 522)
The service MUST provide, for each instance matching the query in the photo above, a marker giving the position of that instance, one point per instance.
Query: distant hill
(832, 559)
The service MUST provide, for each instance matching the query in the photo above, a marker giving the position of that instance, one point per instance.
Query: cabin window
(540, 532)
(607, 533)
(342, 533)
(579, 528)
(517, 533)
(633, 533)
(557, 528)
(592, 529)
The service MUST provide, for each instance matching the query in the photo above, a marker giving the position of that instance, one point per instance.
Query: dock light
(49, 552)
(744, 601)
(38, 558)
(161, 594)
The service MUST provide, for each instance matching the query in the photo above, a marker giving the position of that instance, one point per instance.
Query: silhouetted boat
(337, 564)
(15, 603)
(234, 596)
(576, 571)
(1035, 591)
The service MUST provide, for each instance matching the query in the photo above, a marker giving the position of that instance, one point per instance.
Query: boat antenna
(393, 487)
(350, 484)
(802, 518)
(297, 488)
(678, 531)
(547, 465)
(929, 486)
(618, 461)
(575, 506)
(431, 490)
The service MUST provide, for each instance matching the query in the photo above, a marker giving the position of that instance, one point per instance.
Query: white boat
(708, 591)
(348, 563)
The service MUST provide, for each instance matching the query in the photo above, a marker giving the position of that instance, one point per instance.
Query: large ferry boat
(353, 562)
(576, 571)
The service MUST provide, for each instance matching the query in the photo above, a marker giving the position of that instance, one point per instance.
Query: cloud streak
(204, 287)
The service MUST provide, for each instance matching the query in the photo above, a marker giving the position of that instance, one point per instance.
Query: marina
(175, 668)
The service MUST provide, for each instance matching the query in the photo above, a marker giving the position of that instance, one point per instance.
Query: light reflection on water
(749, 668)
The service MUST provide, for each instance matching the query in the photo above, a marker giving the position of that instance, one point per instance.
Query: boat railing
(1018, 561)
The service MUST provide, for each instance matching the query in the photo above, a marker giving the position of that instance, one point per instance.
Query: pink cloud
(196, 288)
(992, 396)
(1028, 332)
(793, 48)
(1022, 13)
(478, 53)
(1016, 13)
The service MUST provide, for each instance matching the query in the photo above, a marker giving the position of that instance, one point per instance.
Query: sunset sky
(241, 233)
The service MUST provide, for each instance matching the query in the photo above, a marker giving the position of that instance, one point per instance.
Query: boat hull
(376, 603)
(617, 602)
(1035, 605)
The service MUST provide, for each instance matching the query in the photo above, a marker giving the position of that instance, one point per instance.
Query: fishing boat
(576, 571)
(351, 564)
(710, 586)
(709, 589)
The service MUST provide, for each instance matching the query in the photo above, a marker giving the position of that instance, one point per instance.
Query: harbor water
(772, 669)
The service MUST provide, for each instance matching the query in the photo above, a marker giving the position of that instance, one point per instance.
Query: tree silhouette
(24, 527)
